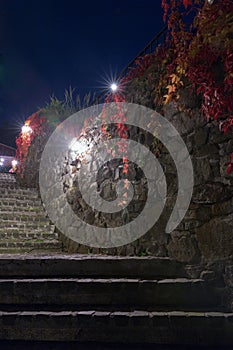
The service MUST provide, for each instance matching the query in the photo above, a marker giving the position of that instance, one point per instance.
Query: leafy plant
(198, 52)
(43, 122)
(203, 53)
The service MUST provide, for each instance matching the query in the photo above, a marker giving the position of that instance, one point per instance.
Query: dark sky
(48, 45)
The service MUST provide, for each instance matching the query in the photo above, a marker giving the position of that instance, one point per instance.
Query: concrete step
(93, 266)
(13, 202)
(109, 294)
(5, 183)
(8, 184)
(24, 225)
(35, 247)
(40, 250)
(29, 244)
(25, 235)
(23, 216)
(18, 193)
(194, 328)
(77, 298)
(33, 209)
(7, 177)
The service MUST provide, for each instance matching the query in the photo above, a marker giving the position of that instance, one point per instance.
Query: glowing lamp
(26, 129)
(80, 146)
(14, 163)
(74, 146)
(114, 87)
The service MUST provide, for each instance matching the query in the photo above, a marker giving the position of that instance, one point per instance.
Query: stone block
(181, 247)
(215, 239)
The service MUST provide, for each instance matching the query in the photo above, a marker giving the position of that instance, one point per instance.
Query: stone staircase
(24, 226)
(89, 298)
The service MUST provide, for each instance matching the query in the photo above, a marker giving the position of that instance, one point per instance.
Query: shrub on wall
(36, 131)
(198, 53)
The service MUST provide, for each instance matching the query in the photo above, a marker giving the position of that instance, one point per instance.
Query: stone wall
(204, 239)
(29, 175)
(205, 234)
(107, 179)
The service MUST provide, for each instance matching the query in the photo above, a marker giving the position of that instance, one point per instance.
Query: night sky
(48, 45)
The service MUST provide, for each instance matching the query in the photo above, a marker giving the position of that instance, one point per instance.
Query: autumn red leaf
(186, 3)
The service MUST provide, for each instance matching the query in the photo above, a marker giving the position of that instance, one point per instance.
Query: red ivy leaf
(229, 168)
(186, 3)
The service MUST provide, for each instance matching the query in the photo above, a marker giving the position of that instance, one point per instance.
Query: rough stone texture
(89, 265)
(24, 225)
(182, 247)
(192, 328)
(215, 238)
(205, 234)
(114, 299)
(30, 178)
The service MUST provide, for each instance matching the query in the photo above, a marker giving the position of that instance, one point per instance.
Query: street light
(114, 87)
(26, 129)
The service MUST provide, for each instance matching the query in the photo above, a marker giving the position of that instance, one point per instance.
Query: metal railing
(148, 49)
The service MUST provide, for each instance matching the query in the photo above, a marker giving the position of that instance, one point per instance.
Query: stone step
(93, 266)
(213, 329)
(19, 193)
(40, 250)
(23, 216)
(10, 175)
(13, 202)
(29, 243)
(24, 225)
(14, 184)
(23, 211)
(108, 294)
(8, 184)
(46, 247)
(30, 229)
(7, 177)
(4, 209)
(19, 197)
(5, 182)
(25, 235)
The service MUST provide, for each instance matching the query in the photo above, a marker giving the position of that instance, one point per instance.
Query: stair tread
(17, 229)
(24, 234)
(18, 189)
(100, 280)
(13, 214)
(20, 201)
(136, 313)
(172, 327)
(15, 207)
(28, 241)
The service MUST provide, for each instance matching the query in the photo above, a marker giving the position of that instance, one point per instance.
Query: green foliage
(42, 123)
(57, 110)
